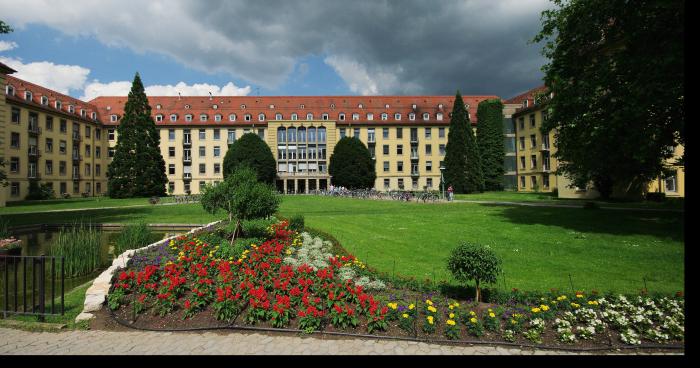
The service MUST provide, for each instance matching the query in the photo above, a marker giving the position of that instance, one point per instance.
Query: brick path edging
(96, 294)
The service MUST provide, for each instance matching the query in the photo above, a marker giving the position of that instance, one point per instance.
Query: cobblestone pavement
(14, 341)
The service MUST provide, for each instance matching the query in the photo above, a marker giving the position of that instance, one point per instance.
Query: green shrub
(234, 252)
(80, 245)
(475, 262)
(4, 228)
(296, 223)
(214, 238)
(256, 228)
(133, 236)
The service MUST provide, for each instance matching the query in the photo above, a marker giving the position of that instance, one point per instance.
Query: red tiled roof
(529, 95)
(37, 91)
(287, 105)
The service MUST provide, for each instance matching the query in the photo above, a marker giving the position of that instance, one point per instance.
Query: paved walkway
(138, 342)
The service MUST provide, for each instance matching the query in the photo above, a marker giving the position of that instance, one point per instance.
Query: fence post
(7, 285)
(63, 277)
(42, 288)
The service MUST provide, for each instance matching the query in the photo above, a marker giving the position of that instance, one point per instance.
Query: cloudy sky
(308, 47)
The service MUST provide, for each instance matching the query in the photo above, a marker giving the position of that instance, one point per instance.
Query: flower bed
(291, 281)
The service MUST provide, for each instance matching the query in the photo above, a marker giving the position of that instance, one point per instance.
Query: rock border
(96, 295)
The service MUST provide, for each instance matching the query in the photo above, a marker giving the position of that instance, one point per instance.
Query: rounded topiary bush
(250, 150)
(351, 165)
(474, 262)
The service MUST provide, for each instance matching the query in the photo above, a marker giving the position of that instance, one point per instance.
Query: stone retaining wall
(96, 295)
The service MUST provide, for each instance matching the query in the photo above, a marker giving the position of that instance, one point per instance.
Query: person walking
(450, 193)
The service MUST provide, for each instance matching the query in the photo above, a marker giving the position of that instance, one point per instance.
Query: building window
(171, 187)
(14, 164)
(295, 116)
(232, 117)
(387, 183)
(98, 133)
(63, 126)
(171, 169)
(428, 133)
(399, 133)
(401, 183)
(533, 141)
(87, 150)
(522, 162)
(15, 115)
(309, 116)
(247, 117)
(671, 184)
(159, 118)
(217, 117)
(370, 116)
(522, 143)
(202, 168)
(399, 166)
(428, 149)
(341, 116)
(385, 149)
(202, 134)
(428, 166)
(217, 151)
(442, 149)
(27, 95)
(426, 116)
(98, 152)
(217, 134)
(98, 187)
(202, 151)
(438, 116)
(356, 133)
(397, 116)
(533, 161)
(412, 116)
(171, 151)
(98, 169)
(385, 133)
(522, 182)
(9, 90)
(324, 117)
(173, 117)
(533, 182)
(62, 147)
(386, 166)
(49, 145)
(532, 120)
(217, 168)
(14, 189)
(355, 116)
(110, 152)
(545, 181)
(521, 124)
(261, 117)
(399, 149)
(62, 170)
(188, 117)
(343, 133)
(49, 123)
(14, 140)
(441, 132)
(278, 116)
(201, 185)
(385, 116)
(231, 136)
(113, 118)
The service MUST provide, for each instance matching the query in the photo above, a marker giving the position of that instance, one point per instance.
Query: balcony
(34, 129)
(414, 140)
(546, 168)
(77, 157)
(187, 159)
(230, 141)
(34, 152)
(33, 174)
(545, 147)
(187, 142)
(415, 173)
(414, 155)
(187, 176)
(371, 139)
(76, 137)
(76, 176)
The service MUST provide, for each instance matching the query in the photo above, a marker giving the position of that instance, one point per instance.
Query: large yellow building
(68, 143)
(535, 162)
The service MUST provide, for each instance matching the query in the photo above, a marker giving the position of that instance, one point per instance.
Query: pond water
(36, 243)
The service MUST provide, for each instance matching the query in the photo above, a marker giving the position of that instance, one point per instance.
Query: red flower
(187, 304)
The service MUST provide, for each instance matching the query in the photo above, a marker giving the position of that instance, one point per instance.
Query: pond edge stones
(96, 295)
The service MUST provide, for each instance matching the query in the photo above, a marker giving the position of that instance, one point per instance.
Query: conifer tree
(489, 139)
(138, 168)
(462, 159)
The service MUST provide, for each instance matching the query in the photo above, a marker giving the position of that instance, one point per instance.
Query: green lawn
(73, 305)
(73, 203)
(549, 198)
(601, 249)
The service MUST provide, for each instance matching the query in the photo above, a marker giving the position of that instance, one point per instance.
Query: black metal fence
(29, 281)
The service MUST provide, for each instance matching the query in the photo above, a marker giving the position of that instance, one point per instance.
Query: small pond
(38, 243)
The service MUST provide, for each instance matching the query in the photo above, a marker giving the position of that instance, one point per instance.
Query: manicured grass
(73, 203)
(549, 198)
(173, 214)
(601, 249)
(508, 196)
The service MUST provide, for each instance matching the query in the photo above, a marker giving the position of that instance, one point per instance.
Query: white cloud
(122, 88)
(58, 77)
(374, 82)
(7, 45)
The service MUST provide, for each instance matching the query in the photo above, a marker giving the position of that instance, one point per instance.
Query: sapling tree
(474, 262)
(242, 197)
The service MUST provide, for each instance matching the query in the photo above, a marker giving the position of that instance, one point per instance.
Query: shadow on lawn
(97, 215)
(615, 222)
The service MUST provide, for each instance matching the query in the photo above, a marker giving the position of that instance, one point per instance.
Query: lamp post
(442, 181)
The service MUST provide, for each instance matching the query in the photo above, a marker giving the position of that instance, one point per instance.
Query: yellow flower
(289, 251)
(592, 302)
(473, 320)
(492, 315)
(535, 310)
(575, 305)
(451, 306)
(430, 319)
(432, 309)
(452, 315)
(472, 313)
(456, 304)
(563, 297)
(451, 322)
(579, 295)
(428, 302)
(405, 315)
(411, 306)
(393, 305)
(544, 307)
(512, 321)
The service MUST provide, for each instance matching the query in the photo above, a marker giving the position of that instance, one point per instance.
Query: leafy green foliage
(251, 151)
(489, 139)
(39, 191)
(133, 236)
(296, 223)
(5, 28)
(241, 195)
(256, 228)
(462, 157)
(138, 168)
(80, 244)
(617, 77)
(351, 165)
(474, 262)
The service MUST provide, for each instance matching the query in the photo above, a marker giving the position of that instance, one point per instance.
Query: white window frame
(341, 116)
(412, 116)
(159, 118)
(231, 117)
(385, 116)
(295, 116)
(173, 117)
(426, 116)
(278, 116)
(188, 117)
(217, 117)
(397, 116)
(28, 95)
(324, 116)
(261, 117)
(247, 117)
(355, 116)
(113, 118)
(44, 100)
(203, 117)
(370, 116)
(438, 116)
(310, 116)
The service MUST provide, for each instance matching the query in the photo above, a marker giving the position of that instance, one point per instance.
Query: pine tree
(138, 168)
(489, 139)
(462, 159)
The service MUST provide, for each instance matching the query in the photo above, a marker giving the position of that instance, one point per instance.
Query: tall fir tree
(138, 168)
(462, 159)
(489, 139)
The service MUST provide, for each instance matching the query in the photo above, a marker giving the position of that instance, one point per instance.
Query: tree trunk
(235, 231)
(478, 292)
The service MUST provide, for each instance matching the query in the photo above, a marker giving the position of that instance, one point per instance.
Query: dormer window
(93, 115)
(385, 116)
(158, 107)
(440, 106)
(324, 116)
(438, 116)
(71, 108)
(301, 106)
(187, 106)
(295, 116)
(58, 104)
(370, 116)
(414, 106)
(247, 117)
(232, 117)
(27, 95)
(188, 117)
(397, 116)
(242, 106)
(83, 112)
(214, 106)
(466, 106)
(386, 106)
(525, 102)
(355, 116)
(412, 116)
(309, 116)
(360, 106)
(261, 117)
(278, 116)
(9, 90)
(272, 106)
(173, 117)
(113, 118)
(341, 116)
(426, 116)
(217, 117)
(159, 118)
(332, 106)
(203, 117)
(44, 100)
